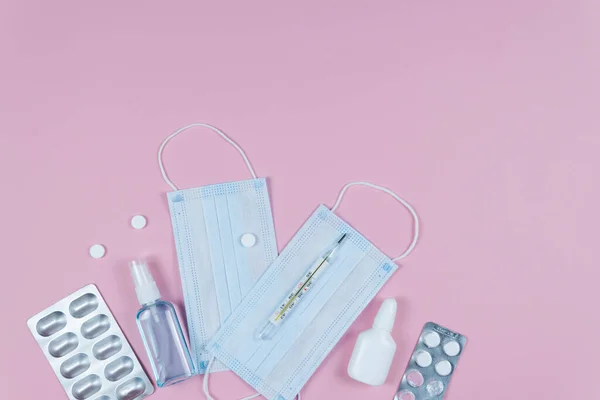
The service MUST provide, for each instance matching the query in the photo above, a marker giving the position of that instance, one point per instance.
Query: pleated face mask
(225, 239)
(303, 304)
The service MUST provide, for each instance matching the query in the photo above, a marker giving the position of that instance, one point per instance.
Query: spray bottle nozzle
(145, 287)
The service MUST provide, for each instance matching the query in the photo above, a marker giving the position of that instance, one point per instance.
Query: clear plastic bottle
(160, 330)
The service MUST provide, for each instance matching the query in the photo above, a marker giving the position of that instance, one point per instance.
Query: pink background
(483, 114)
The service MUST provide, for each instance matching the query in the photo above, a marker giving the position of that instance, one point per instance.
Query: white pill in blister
(97, 251)
(138, 222)
(443, 368)
(432, 339)
(248, 240)
(452, 348)
(423, 359)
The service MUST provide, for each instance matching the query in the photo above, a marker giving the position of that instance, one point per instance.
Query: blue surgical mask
(280, 366)
(225, 239)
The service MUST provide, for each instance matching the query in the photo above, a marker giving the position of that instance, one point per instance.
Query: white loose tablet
(138, 222)
(97, 251)
(248, 240)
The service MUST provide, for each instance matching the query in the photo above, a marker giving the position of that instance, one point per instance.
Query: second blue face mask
(304, 302)
(225, 239)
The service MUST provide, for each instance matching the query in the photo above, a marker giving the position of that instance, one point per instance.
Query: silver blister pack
(87, 350)
(432, 364)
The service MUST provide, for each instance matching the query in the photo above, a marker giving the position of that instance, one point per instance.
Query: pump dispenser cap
(145, 287)
(386, 315)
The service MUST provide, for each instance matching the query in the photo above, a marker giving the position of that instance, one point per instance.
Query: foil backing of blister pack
(87, 350)
(432, 364)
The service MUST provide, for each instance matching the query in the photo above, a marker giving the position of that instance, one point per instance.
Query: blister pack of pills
(87, 350)
(432, 364)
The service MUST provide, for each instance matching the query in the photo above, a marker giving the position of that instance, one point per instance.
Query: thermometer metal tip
(331, 252)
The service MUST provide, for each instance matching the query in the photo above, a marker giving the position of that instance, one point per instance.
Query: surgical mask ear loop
(212, 128)
(207, 393)
(205, 384)
(395, 196)
(205, 380)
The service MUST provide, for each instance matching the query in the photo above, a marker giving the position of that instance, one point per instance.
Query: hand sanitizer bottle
(374, 349)
(160, 330)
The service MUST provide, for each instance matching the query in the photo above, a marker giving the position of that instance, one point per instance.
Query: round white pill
(452, 348)
(423, 359)
(443, 368)
(97, 251)
(432, 339)
(248, 240)
(138, 222)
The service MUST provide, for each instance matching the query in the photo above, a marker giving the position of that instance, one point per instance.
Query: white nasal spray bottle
(374, 349)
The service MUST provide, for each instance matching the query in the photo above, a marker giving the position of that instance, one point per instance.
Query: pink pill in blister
(414, 378)
(404, 395)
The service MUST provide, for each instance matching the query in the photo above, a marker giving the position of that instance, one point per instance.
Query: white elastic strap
(205, 385)
(394, 195)
(205, 380)
(212, 128)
